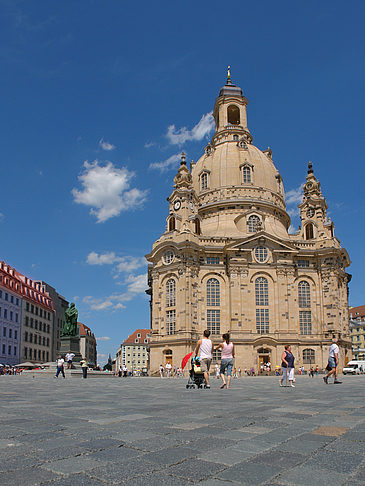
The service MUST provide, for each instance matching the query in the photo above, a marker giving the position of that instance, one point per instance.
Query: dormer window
(246, 173)
(204, 181)
(235, 138)
(253, 222)
(172, 224)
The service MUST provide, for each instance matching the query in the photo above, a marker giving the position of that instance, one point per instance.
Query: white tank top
(206, 349)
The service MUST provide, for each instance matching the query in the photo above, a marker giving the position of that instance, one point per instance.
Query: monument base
(71, 343)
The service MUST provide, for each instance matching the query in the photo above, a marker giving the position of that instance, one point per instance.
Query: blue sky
(98, 98)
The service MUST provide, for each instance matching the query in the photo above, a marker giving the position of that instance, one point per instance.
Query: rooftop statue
(70, 326)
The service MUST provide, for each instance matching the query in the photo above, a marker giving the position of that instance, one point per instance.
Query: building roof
(134, 339)
(85, 330)
(356, 312)
(28, 289)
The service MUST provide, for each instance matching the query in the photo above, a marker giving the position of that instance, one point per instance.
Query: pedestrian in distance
(227, 362)
(60, 363)
(84, 365)
(205, 346)
(287, 366)
(162, 369)
(333, 361)
(69, 357)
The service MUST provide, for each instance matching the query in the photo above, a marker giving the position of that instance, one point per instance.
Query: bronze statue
(70, 326)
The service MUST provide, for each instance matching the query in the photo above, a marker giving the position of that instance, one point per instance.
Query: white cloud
(124, 264)
(103, 338)
(201, 129)
(149, 144)
(106, 145)
(294, 196)
(166, 164)
(292, 230)
(107, 189)
(136, 284)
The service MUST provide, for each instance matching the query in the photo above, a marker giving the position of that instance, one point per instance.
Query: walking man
(60, 363)
(205, 345)
(333, 361)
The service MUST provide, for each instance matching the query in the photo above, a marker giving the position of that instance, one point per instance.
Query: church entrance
(168, 356)
(264, 359)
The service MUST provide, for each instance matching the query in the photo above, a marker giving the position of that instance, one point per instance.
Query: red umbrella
(185, 360)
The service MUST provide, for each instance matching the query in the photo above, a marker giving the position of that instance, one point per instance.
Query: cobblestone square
(151, 431)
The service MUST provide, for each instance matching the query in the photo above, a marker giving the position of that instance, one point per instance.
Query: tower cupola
(230, 112)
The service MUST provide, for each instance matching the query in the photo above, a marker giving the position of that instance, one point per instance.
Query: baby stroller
(196, 376)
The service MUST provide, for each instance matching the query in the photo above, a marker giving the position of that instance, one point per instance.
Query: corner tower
(226, 261)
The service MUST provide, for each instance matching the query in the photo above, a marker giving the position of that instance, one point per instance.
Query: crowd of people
(205, 349)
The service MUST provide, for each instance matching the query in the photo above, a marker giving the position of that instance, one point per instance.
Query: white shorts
(288, 374)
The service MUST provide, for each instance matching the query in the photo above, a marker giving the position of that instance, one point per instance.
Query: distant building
(134, 352)
(34, 331)
(60, 304)
(87, 344)
(10, 315)
(357, 331)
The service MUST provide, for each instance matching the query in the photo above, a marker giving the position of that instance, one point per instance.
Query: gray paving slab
(124, 433)
(307, 475)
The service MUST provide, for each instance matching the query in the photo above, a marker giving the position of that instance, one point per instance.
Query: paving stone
(228, 456)
(115, 454)
(75, 480)
(218, 482)
(57, 453)
(280, 459)
(307, 475)
(72, 465)
(157, 479)
(301, 446)
(34, 477)
(360, 475)
(341, 462)
(169, 456)
(156, 444)
(97, 444)
(249, 473)
(13, 463)
(116, 473)
(195, 469)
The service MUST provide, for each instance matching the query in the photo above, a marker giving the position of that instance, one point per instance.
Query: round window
(168, 257)
(261, 254)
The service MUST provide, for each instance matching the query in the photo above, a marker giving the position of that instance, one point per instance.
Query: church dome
(246, 168)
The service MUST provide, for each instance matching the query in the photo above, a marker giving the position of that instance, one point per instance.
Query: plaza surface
(152, 431)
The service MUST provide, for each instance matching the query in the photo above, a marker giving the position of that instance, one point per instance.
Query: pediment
(261, 238)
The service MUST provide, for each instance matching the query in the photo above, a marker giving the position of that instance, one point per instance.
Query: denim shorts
(226, 364)
(332, 362)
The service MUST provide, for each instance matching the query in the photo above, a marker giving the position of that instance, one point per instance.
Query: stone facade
(134, 351)
(88, 344)
(227, 262)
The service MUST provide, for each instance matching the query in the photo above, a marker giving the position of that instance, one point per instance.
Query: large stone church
(226, 261)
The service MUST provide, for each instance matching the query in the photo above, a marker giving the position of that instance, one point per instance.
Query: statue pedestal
(71, 343)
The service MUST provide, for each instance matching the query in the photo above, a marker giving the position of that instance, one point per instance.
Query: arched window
(170, 293)
(262, 291)
(204, 181)
(197, 226)
(213, 292)
(233, 113)
(246, 174)
(171, 322)
(309, 356)
(304, 302)
(304, 295)
(309, 232)
(213, 300)
(172, 224)
(262, 304)
(252, 223)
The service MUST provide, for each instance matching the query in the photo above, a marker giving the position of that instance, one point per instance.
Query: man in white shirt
(69, 356)
(333, 361)
(60, 369)
(168, 367)
(206, 347)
